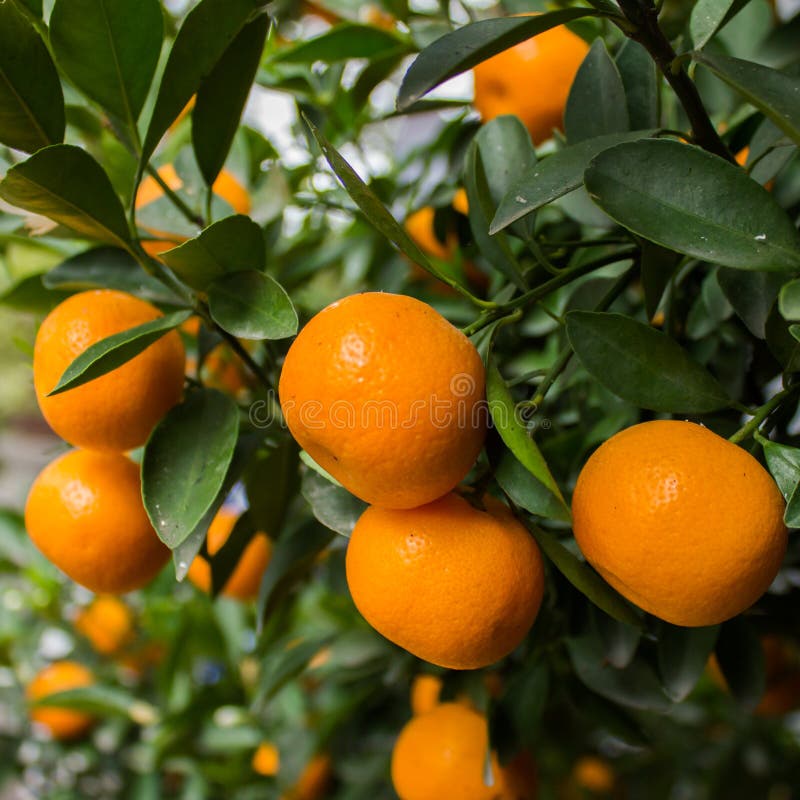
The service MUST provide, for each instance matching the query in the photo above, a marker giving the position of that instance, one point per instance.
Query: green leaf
(284, 663)
(585, 579)
(252, 305)
(109, 49)
(741, 661)
(791, 516)
(682, 657)
(528, 492)
(224, 562)
(641, 365)
(185, 462)
(233, 244)
(789, 300)
(222, 96)
(707, 18)
(102, 701)
(774, 93)
(108, 268)
(66, 184)
(620, 641)
(206, 33)
(553, 177)
(341, 43)
(31, 100)
(784, 465)
(462, 49)
(507, 419)
(278, 469)
(657, 267)
(688, 200)
(106, 355)
(31, 296)
(332, 505)
(752, 295)
(641, 81)
(596, 105)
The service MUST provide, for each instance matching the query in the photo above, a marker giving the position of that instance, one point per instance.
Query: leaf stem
(176, 199)
(760, 414)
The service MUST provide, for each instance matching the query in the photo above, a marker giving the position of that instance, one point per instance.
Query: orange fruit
(420, 227)
(461, 201)
(226, 186)
(387, 396)
(680, 521)
(593, 774)
(531, 80)
(107, 623)
(443, 754)
(782, 665)
(61, 676)
(425, 693)
(85, 513)
(741, 160)
(466, 585)
(266, 760)
(118, 410)
(314, 780)
(245, 580)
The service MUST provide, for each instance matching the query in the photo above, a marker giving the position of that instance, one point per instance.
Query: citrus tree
(428, 443)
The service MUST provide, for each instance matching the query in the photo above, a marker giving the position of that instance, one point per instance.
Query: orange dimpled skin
(531, 80)
(118, 410)
(680, 521)
(244, 582)
(453, 585)
(387, 396)
(62, 723)
(85, 513)
(107, 623)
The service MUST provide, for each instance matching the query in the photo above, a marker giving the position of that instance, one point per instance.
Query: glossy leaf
(332, 505)
(109, 49)
(206, 33)
(585, 579)
(596, 105)
(642, 365)
(343, 42)
(741, 661)
(707, 18)
(752, 295)
(507, 419)
(222, 96)
(784, 465)
(682, 657)
(789, 300)
(776, 94)
(641, 81)
(277, 469)
(528, 492)
(185, 462)
(63, 182)
(553, 177)
(31, 100)
(233, 244)
(688, 200)
(252, 305)
(462, 49)
(106, 355)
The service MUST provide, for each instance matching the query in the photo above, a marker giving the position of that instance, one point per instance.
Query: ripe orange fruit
(425, 693)
(314, 780)
(593, 774)
(116, 411)
(245, 580)
(107, 623)
(61, 676)
(420, 227)
(531, 80)
(226, 186)
(443, 754)
(387, 396)
(680, 521)
(85, 513)
(741, 160)
(466, 585)
(266, 760)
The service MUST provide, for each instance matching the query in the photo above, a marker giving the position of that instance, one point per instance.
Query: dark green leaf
(640, 79)
(284, 663)
(620, 641)
(31, 100)
(688, 200)
(462, 49)
(114, 351)
(108, 268)
(109, 49)
(789, 300)
(222, 96)
(206, 33)
(707, 18)
(585, 579)
(185, 462)
(66, 184)
(741, 661)
(596, 105)
(752, 295)
(784, 465)
(507, 418)
(657, 266)
(642, 365)
(233, 244)
(278, 470)
(341, 43)
(525, 700)
(554, 177)
(682, 657)
(332, 505)
(252, 305)
(528, 492)
(774, 93)
(31, 295)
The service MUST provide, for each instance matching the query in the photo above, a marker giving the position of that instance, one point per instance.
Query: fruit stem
(760, 414)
